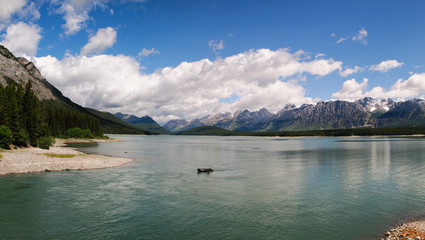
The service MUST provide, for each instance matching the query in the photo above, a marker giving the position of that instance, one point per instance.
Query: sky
(188, 59)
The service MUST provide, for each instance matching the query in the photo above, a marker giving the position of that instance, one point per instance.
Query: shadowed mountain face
(143, 123)
(366, 112)
(21, 71)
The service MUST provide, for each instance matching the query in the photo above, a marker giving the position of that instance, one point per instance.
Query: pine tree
(19, 100)
(2, 105)
(11, 109)
(31, 114)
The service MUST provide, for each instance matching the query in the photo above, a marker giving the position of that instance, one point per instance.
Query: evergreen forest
(26, 120)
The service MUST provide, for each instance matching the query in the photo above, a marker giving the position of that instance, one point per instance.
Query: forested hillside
(27, 119)
(32, 109)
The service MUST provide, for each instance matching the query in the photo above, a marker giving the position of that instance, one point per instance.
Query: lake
(261, 188)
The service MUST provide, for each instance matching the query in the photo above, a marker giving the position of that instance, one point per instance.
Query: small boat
(207, 170)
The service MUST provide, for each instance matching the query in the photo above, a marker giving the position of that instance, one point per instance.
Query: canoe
(205, 170)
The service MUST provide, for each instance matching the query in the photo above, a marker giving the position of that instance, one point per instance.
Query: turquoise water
(262, 188)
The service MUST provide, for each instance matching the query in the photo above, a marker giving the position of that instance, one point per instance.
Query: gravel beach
(57, 158)
(408, 231)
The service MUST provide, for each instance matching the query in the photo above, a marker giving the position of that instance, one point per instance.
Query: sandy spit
(61, 142)
(28, 160)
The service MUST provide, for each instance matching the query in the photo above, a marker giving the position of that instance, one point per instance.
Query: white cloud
(341, 40)
(386, 66)
(30, 11)
(133, 1)
(74, 21)
(358, 37)
(189, 90)
(413, 87)
(8, 8)
(216, 46)
(103, 39)
(80, 5)
(146, 52)
(351, 90)
(350, 71)
(76, 13)
(22, 39)
(361, 36)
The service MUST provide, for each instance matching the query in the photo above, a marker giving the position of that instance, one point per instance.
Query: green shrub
(63, 155)
(46, 142)
(79, 133)
(22, 138)
(102, 137)
(6, 137)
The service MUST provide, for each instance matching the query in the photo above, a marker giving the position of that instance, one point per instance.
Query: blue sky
(185, 59)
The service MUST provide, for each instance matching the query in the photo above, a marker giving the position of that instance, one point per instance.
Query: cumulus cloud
(386, 66)
(103, 39)
(22, 39)
(216, 46)
(189, 90)
(146, 52)
(76, 13)
(413, 87)
(8, 8)
(351, 90)
(74, 21)
(350, 71)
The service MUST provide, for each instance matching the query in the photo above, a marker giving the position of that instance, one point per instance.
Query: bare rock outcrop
(22, 71)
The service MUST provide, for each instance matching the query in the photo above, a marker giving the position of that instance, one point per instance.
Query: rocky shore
(408, 231)
(57, 158)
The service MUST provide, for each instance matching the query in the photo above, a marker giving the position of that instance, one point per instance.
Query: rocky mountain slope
(22, 71)
(366, 112)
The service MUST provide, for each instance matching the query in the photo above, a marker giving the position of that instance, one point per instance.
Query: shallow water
(262, 188)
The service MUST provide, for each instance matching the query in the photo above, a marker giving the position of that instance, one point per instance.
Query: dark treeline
(389, 131)
(29, 119)
(60, 119)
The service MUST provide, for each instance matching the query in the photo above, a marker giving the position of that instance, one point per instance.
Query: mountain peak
(372, 105)
(144, 123)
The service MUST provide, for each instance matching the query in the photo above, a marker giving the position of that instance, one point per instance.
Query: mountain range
(143, 123)
(366, 112)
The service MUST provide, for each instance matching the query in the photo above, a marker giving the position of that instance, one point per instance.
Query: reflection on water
(261, 188)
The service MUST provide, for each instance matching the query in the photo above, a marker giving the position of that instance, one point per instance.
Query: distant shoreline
(61, 142)
(361, 132)
(57, 158)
